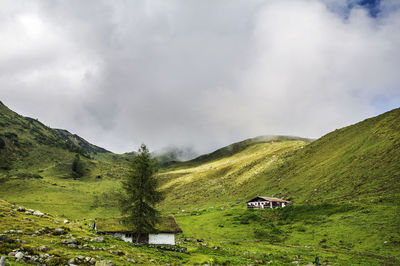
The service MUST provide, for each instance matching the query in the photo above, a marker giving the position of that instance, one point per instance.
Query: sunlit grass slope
(224, 179)
(344, 186)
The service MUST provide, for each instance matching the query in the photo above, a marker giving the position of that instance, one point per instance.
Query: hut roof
(269, 199)
(166, 224)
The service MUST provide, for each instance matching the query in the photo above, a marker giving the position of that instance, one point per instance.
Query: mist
(198, 74)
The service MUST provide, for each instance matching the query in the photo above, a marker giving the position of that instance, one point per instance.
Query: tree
(77, 167)
(140, 194)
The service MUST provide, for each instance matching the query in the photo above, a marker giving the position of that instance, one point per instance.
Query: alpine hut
(260, 202)
(164, 233)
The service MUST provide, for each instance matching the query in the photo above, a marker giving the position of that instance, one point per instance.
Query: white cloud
(201, 73)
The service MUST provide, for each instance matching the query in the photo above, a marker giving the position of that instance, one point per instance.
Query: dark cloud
(198, 73)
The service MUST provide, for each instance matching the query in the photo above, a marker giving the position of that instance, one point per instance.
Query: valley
(344, 187)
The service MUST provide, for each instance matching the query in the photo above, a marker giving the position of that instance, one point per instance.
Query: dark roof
(269, 199)
(113, 225)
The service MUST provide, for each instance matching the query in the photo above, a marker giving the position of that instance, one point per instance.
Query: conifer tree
(77, 167)
(140, 194)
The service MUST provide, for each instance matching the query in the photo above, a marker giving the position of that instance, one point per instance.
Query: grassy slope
(224, 179)
(39, 168)
(345, 187)
(116, 251)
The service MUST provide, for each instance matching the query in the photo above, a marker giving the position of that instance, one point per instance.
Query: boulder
(104, 263)
(69, 241)
(58, 231)
(72, 246)
(3, 237)
(44, 248)
(98, 239)
(38, 213)
(19, 255)
(131, 260)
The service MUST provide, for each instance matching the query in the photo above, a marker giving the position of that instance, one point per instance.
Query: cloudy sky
(198, 73)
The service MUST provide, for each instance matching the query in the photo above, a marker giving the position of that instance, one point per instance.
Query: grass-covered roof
(166, 224)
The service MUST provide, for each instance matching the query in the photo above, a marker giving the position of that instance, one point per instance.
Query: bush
(2, 143)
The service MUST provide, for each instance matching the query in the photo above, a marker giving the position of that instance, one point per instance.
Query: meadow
(344, 187)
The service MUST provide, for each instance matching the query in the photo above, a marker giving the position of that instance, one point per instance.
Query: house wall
(162, 239)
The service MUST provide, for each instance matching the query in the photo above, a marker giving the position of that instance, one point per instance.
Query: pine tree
(77, 167)
(140, 194)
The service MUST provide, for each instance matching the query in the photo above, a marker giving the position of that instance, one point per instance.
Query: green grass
(345, 189)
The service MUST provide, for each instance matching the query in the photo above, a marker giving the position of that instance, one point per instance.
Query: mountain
(356, 162)
(19, 131)
(240, 146)
(74, 139)
(27, 145)
(344, 187)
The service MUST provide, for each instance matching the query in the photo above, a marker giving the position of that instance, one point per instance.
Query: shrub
(2, 143)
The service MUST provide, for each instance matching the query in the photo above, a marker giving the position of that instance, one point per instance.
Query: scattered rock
(38, 213)
(104, 263)
(98, 239)
(21, 209)
(131, 260)
(19, 255)
(58, 231)
(3, 237)
(69, 241)
(44, 248)
(72, 246)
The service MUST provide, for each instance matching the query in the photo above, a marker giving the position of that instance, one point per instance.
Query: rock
(72, 246)
(71, 261)
(66, 221)
(21, 209)
(131, 260)
(3, 237)
(104, 263)
(81, 257)
(69, 241)
(38, 213)
(92, 261)
(44, 248)
(98, 239)
(2, 261)
(19, 255)
(58, 231)
(12, 254)
(20, 232)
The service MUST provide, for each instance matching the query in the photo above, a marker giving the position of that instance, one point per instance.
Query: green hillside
(344, 188)
(36, 166)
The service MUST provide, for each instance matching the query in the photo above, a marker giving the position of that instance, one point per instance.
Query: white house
(267, 202)
(164, 232)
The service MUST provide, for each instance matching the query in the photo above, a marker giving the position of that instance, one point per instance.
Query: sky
(200, 74)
